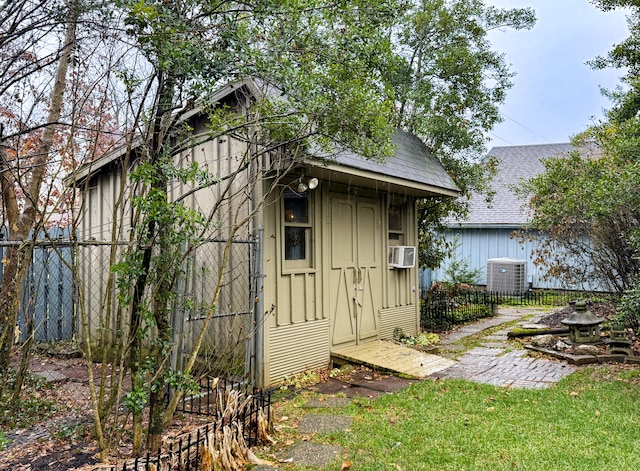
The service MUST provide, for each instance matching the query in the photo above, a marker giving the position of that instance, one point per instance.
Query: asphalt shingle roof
(514, 163)
(412, 161)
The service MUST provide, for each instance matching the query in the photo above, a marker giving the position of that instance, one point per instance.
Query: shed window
(297, 230)
(396, 232)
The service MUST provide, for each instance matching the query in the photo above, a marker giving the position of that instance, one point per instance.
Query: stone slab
(314, 454)
(52, 376)
(314, 423)
(327, 402)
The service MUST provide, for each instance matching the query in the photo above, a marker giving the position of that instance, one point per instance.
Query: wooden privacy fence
(47, 305)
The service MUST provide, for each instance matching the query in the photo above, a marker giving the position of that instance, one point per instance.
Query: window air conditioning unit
(506, 275)
(402, 256)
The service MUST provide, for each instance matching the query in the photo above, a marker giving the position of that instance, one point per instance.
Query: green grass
(589, 421)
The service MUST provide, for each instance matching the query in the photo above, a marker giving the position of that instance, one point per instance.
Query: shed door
(356, 265)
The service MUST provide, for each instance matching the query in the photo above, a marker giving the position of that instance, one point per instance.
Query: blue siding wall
(477, 245)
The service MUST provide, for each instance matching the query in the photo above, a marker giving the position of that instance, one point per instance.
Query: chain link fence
(70, 294)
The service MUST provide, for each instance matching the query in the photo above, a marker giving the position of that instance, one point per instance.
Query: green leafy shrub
(629, 308)
(424, 339)
(459, 271)
(30, 407)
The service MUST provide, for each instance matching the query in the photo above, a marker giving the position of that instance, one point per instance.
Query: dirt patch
(603, 310)
(57, 460)
(63, 440)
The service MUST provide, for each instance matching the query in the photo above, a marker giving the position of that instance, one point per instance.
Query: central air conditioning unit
(506, 276)
(402, 256)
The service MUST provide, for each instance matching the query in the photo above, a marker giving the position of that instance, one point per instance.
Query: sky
(555, 94)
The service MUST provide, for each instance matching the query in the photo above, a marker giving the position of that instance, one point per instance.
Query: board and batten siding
(401, 296)
(296, 328)
(476, 246)
(106, 199)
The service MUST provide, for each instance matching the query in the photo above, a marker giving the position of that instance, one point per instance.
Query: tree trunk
(17, 258)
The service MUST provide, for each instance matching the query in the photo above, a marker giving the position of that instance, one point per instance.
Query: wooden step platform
(394, 358)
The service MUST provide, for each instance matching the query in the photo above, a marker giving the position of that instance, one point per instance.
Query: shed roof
(514, 163)
(413, 169)
(412, 166)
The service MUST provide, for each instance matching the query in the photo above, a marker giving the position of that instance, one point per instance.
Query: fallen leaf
(490, 409)
(345, 465)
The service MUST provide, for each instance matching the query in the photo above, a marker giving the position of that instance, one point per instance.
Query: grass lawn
(589, 421)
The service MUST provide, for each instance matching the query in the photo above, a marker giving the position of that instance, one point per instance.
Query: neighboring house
(487, 232)
(323, 275)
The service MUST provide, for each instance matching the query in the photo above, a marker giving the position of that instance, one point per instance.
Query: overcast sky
(555, 94)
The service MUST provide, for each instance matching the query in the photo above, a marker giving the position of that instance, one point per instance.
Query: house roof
(514, 163)
(412, 169)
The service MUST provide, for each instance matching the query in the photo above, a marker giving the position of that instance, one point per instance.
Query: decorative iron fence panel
(184, 452)
(444, 308)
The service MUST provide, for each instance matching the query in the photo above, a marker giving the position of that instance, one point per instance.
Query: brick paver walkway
(494, 363)
(508, 369)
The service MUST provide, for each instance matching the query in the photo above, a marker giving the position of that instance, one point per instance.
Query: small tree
(27, 147)
(586, 205)
(458, 270)
(584, 217)
(321, 66)
(449, 85)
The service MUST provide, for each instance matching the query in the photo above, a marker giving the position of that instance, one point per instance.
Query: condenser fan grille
(506, 275)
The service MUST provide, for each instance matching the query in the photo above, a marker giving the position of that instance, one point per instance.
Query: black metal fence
(215, 398)
(183, 454)
(441, 309)
(212, 399)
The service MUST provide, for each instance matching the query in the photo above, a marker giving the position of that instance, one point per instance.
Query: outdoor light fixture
(311, 184)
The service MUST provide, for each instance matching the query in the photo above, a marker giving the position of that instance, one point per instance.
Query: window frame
(307, 262)
(396, 236)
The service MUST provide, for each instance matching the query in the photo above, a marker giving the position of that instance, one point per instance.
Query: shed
(321, 278)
